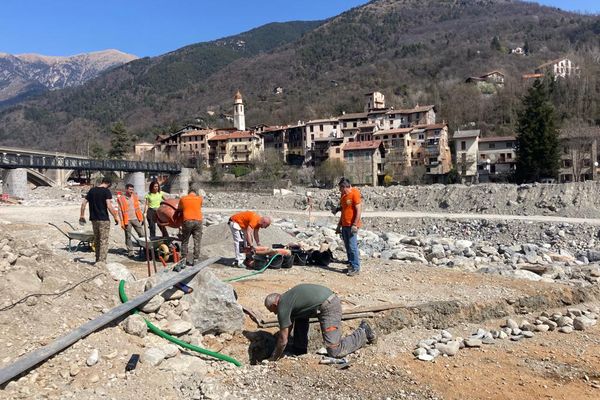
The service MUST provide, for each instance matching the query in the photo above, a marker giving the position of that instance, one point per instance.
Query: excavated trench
(446, 314)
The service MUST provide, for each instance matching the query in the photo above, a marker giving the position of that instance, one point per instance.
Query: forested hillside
(414, 51)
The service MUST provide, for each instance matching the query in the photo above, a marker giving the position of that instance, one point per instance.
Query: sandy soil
(551, 365)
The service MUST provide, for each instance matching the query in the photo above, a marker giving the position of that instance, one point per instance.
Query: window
(491, 145)
(345, 125)
(508, 156)
(385, 137)
(312, 128)
(421, 136)
(312, 137)
(567, 163)
(482, 156)
(354, 124)
(321, 127)
(566, 150)
(463, 145)
(394, 136)
(337, 151)
(509, 145)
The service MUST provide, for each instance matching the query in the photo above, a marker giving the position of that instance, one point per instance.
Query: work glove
(117, 222)
(354, 229)
(82, 221)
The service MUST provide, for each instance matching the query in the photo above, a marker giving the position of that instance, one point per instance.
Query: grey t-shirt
(301, 301)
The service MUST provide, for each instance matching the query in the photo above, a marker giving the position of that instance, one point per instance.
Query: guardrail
(15, 160)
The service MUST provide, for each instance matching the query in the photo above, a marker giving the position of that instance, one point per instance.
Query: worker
(244, 229)
(300, 303)
(100, 200)
(190, 207)
(153, 199)
(131, 216)
(351, 207)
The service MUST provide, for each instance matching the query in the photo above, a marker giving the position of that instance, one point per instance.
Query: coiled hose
(154, 329)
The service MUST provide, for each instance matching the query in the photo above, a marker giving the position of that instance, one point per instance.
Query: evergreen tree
(537, 136)
(96, 152)
(495, 44)
(120, 143)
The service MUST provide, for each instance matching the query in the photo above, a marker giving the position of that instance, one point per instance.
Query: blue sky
(153, 27)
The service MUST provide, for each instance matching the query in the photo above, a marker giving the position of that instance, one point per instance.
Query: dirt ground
(551, 365)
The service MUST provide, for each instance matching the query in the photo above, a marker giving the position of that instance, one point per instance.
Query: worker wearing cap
(190, 207)
(351, 205)
(300, 303)
(131, 216)
(244, 228)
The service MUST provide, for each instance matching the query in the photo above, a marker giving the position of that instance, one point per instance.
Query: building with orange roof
(228, 148)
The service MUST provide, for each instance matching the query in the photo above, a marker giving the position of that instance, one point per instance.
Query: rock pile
(446, 345)
(543, 261)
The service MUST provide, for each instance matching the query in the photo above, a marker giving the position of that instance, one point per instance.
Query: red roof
(233, 135)
(532, 76)
(497, 139)
(197, 132)
(412, 110)
(367, 145)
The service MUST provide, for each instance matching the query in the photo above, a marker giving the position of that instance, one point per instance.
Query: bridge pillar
(180, 183)
(138, 180)
(59, 176)
(15, 183)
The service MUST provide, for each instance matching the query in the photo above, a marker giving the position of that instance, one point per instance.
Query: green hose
(172, 339)
(260, 271)
(180, 342)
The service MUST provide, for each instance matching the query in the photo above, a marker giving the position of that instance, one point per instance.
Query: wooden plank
(37, 356)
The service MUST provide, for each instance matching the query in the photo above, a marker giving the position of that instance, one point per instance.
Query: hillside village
(379, 146)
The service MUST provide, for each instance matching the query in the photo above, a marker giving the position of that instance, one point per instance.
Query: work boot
(353, 272)
(371, 335)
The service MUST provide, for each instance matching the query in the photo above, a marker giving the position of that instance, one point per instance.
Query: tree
(495, 44)
(537, 136)
(97, 152)
(120, 143)
(329, 171)
(270, 165)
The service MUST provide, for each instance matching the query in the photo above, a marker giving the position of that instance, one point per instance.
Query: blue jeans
(351, 244)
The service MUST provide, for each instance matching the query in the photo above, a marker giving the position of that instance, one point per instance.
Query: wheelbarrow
(83, 238)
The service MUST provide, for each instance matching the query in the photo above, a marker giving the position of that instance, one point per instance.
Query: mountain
(26, 74)
(414, 51)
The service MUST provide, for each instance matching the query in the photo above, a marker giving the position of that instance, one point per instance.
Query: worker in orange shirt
(131, 216)
(190, 207)
(244, 229)
(349, 222)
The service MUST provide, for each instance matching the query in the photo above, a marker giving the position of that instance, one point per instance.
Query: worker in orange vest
(190, 207)
(131, 216)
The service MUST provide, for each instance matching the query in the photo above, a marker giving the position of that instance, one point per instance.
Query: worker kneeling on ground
(244, 229)
(190, 207)
(298, 305)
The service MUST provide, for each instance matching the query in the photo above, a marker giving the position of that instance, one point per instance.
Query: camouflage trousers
(194, 229)
(101, 232)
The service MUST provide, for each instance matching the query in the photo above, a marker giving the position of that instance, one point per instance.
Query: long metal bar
(37, 356)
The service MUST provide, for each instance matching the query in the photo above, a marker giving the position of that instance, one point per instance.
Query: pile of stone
(211, 309)
(565, 322)
(576, 199)
(445, 344)
(534, 261)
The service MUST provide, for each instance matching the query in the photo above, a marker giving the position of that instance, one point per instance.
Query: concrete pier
(181, 183)
(15, 183)
(138, 180)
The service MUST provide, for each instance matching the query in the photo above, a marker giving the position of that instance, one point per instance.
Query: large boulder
(213, 306)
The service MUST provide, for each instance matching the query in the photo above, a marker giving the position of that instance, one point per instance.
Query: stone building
(466, 148)
(364, 162)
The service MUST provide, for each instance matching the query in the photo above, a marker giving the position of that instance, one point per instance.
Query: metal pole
(146, 241)
(32, 359)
